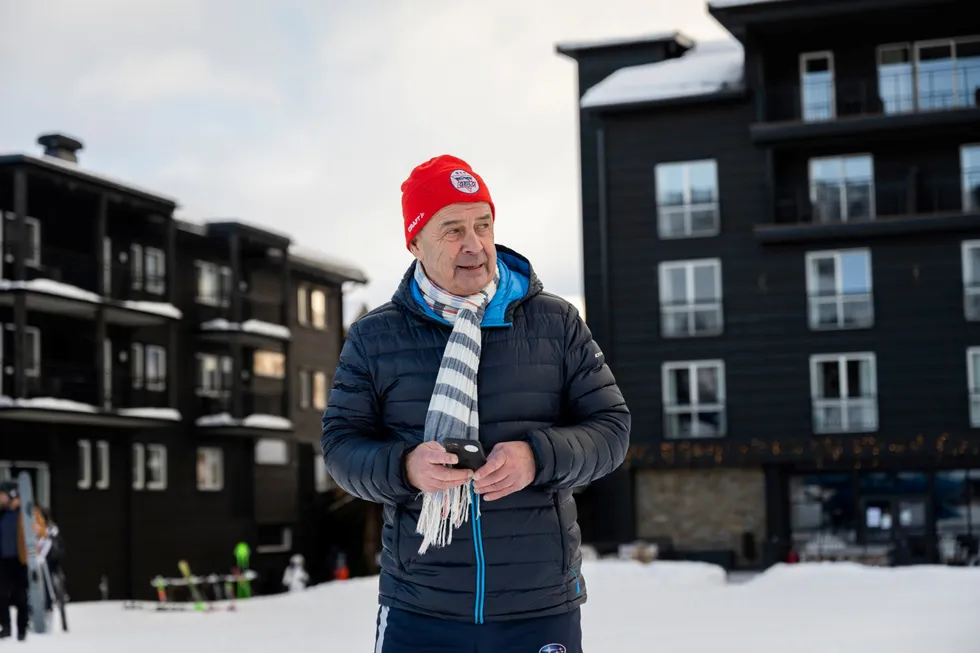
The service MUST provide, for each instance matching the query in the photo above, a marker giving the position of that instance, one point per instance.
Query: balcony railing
(850, 415)
(263, 309)
(65, 382)
(71, 267)
(683, 319)
(889, 94)
(849, 310)
(683, 422)
(863, 200)
(253, 403)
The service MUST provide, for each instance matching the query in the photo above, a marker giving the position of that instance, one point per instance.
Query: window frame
(687, 207)
(323, 323)
(832, 67)
(84, 481)
(154, 284)
(669, 409)
(216, 484)
(158, 451)
(839, 296)
(842, 358)
(158, 384)
(690, 306)
(842, 186)
(971, 287)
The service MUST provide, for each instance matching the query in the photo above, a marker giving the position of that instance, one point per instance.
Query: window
(842, 188)
(32, 360)
(929, 75)
(844, 392)
(971, 279)
(214, 375)
(318, 307)
(320, 390)
(84, 464)
(137, 363)
(839, 289)
(136, 265)
(817, 96)
(32, 252)
(305, 389)
(210, 469)
(973, 379)
(690, 298)
(156, 270)
(970, 176)
(694, 399)
(687, 199)
(156, 467)
(102, 451)
(302, 305)
(156, 368)
(139, 466)
(269, 364)
(213, 284)
(270, 451)
(321, 477)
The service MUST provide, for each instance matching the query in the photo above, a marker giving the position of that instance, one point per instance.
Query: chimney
(60, 146)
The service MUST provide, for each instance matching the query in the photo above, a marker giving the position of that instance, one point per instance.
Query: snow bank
(706, 68)
(168, 414)
(660, 572)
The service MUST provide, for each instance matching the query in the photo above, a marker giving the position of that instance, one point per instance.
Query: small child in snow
(295, 576)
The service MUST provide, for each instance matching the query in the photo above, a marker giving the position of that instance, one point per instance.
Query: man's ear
(414, 247)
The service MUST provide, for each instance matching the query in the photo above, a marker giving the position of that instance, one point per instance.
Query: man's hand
(424, 468)
(509, 468)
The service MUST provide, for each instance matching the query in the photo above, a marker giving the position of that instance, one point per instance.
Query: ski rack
(221, 594)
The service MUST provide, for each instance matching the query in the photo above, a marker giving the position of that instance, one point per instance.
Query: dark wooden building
(161, 378)
(782, 251)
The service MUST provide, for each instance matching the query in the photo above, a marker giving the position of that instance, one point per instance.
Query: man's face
(456, 248)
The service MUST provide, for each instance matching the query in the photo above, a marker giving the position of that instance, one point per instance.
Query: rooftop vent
(60, 146)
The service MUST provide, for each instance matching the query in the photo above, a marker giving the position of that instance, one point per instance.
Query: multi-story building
(162, 378)
(782, 255)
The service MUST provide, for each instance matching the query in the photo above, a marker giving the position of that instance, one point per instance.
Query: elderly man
(471, 347)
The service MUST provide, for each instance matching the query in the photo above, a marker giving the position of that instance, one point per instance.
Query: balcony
(843, 107)
(261, 412)
(63, 281)
(846, 415)
(262, 321)
(860, 208)
(68, 393)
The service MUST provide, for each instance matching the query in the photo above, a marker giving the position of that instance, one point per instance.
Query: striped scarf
(453, 409)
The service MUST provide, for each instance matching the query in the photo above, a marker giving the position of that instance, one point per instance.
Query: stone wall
(702, 509)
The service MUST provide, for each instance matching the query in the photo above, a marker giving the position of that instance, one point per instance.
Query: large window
(929, 75)
(970, 176)
(214, 375)
(690, 298)
(843, 388)
(210, 469)
(839, 289)
(817, 96)
(269, 364)
(842, 188)
(694, 399)
(213, 284)
(973, 381)
(971, 279)
(687, 199)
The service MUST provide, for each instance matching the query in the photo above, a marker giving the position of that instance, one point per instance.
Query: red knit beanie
(437, 183)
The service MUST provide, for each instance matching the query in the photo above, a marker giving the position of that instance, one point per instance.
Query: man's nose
(470, 242)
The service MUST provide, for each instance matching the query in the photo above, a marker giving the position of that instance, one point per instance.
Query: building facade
(786, 230)
(162, 378)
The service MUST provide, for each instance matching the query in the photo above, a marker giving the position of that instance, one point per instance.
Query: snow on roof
(706, 68)
(575, 46)
(739, 3)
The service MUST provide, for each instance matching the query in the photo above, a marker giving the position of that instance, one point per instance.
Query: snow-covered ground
(664, 607)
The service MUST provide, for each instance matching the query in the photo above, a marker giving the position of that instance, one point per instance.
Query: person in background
(13, 559)
(295, 577)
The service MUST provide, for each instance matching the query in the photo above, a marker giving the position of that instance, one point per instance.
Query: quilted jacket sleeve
(594, 435)
(357, 455)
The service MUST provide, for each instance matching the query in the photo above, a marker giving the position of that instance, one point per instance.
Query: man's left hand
(509, 468)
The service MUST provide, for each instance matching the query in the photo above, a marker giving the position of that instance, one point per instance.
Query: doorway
(902, 522)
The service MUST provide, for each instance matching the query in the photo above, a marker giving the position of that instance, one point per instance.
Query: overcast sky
(306, 115)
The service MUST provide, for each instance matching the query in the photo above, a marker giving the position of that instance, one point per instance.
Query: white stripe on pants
(379, 642)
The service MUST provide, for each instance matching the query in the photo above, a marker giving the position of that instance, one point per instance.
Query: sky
(307, 115)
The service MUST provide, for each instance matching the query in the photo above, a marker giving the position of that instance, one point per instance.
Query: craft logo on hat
(464, 182)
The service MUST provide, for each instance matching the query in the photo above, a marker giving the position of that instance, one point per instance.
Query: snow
(49, 287)
(248, 326)
(666, 606)
(739, 3)
(151, 413)
(257, 421)
(47, 403)
(329, 263)
(654, 37)
(158, 308)
(707, 68)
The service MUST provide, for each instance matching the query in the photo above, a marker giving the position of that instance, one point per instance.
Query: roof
(61, 165)
(643, 39)
(706, 69)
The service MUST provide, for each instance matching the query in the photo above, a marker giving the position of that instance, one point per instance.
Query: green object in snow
(244, 586)
(241, 555)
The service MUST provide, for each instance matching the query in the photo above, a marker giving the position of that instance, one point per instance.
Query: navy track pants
(400, 631)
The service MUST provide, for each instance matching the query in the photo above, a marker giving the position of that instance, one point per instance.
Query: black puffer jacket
(542, 380)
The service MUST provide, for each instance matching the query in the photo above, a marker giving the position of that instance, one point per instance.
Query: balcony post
(105, 288)
(234, 245)
(286, 320)
(173, 362)
(20, 271)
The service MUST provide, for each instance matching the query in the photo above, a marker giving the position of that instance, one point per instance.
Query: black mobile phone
(469, 453)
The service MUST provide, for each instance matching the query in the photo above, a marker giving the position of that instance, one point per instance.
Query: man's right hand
(425, 470)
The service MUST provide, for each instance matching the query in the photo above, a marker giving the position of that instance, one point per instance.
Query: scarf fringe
(444, 511)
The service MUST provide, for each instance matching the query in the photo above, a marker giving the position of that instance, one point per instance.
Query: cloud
(306, 116)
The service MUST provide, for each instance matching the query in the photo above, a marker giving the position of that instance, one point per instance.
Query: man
(544, 406)
(13, 559)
